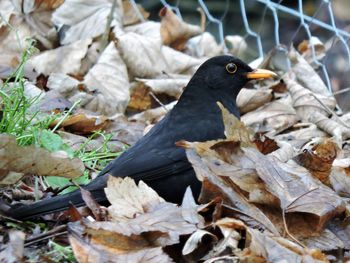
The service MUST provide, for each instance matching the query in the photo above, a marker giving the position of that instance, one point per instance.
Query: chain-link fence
(267, 24)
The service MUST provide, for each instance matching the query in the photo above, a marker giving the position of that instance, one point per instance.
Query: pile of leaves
(276, 188)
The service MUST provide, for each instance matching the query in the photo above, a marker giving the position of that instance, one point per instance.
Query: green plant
(16, 117)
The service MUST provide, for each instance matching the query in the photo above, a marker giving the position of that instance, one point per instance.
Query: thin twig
(105, 36)
(49, 234)
(287, 231)
(341, 91)
(159, 102)
(330, 111)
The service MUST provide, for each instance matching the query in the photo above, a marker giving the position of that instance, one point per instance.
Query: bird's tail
(62, 202)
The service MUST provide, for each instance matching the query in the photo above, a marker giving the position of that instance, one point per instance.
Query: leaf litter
(276, 188)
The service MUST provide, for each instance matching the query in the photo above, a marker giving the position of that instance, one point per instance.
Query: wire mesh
(321, 22)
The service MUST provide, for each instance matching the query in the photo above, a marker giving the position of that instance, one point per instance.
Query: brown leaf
(201, 157)
(174, 31)
(295, 188)
(235, 130)
(81, 123)
(33, 160)
(98, 212)
(87, 251)
(140, 98)
(319, 159)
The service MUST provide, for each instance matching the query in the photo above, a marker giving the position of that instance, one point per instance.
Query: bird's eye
(231, 68)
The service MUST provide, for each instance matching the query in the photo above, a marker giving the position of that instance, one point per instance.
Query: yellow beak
(261, 74)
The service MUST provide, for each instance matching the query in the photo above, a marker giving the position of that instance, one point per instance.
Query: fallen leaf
(295, 188)
(306, 75)
(174, 31)
(332, 127)
(236, 45)
(64, 59)
(13, 251)
(198, 244)
(307, 47)
(273, 117)
(33, 160)
(153, 115)
(132, 16)
(170, 86)
(81, 123)
(251, 99)
(304, 100)
(319, 159)
(203, 45)
(85, 20)
(149, 28)
(339, 179)
(108, 79)
(88, 251)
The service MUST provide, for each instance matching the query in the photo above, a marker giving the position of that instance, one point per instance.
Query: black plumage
(154, 158)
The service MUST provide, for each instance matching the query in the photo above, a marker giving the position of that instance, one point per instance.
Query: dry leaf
(236, 44)
(108, 78)
(284, 153)
(13, 251)
(326, 241)
(306, 75)
(295, 188)
(340, 181)
(129, 200)
(201, 157)
(195, 244)
(251, 99)
(305, 48)
(319, 159)
(174, 31)
(304, 100)
(87, 252)
(64, 59)
(85, 19)
(330, 126)
(142, 55)
(131, 16)
(140, 98)
(81, 123)
(170, 86)
(301, 133)
(235, 130)
(203, 45)
(273, 117)
(149, 29)
(32, 160)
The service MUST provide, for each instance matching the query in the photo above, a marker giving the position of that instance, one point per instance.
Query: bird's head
(229, 74)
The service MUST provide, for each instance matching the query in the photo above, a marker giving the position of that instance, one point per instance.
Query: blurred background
(278, 24)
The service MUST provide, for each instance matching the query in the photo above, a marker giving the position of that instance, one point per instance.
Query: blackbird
(155, 159)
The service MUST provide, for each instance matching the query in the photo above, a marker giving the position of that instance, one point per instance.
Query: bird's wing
(154, 156)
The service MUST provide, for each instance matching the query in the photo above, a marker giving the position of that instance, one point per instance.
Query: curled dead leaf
(174, 31)
(81, 123)
(306, 75)
(304, 100)
(319, 159)
(251, 99)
